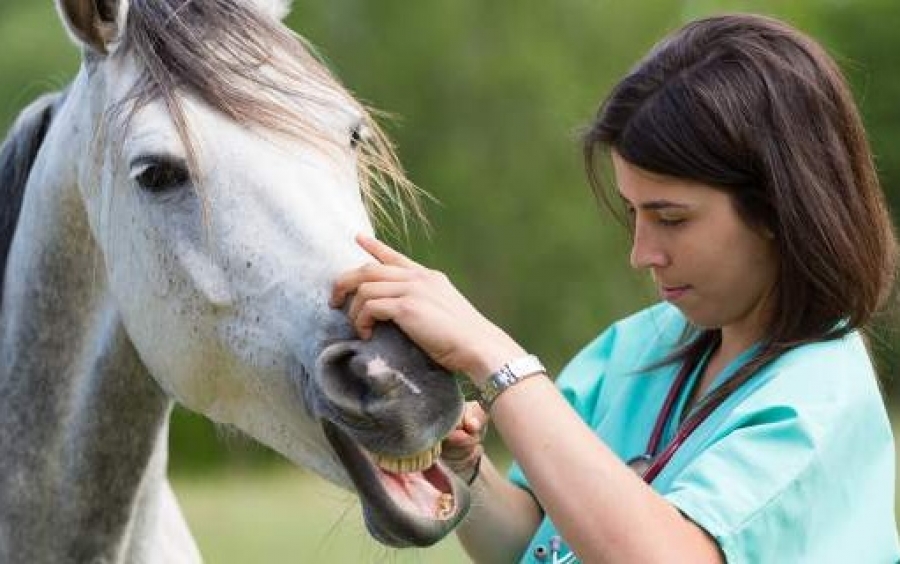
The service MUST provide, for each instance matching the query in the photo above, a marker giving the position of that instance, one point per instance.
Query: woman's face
(704, 258)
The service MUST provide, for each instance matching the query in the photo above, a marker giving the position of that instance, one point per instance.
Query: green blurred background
(487, 99)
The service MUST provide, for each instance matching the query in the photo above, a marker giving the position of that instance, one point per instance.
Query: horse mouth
(408, 501)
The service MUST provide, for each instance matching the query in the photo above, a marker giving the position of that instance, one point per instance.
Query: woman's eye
(670, 221)
(161, 176)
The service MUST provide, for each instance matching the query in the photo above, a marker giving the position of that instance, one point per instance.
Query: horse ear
(97, 24)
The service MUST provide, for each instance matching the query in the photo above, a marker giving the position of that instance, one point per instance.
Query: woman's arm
(502, 517)
(603, 509)
(605, 512)
(501, 521)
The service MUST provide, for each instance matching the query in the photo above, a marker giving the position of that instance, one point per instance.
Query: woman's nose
(647, 250)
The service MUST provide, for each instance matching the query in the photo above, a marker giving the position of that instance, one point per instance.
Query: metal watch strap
(509, 375)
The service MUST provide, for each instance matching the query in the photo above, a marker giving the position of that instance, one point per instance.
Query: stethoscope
(649, 464)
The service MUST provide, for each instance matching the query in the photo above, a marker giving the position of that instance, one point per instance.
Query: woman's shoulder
(838, 363)
(639, 340)
(611, 360)
(660, 326)
(831, 382)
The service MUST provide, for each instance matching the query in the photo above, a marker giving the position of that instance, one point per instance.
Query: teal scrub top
(796, 466)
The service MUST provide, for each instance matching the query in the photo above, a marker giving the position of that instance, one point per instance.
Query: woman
(739, 420)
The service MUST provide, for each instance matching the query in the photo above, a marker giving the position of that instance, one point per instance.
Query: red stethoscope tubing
(659, 461)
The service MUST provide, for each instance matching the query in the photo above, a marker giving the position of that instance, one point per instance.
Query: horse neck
(83, 427)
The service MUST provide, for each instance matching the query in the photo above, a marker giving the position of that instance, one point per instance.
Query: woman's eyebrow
(655, 204)
(662, 204)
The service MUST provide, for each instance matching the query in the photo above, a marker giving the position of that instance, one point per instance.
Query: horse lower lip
(399, 510)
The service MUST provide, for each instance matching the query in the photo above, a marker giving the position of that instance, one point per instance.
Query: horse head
(224, 173)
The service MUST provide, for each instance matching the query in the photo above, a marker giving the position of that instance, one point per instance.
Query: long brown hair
(753, 107)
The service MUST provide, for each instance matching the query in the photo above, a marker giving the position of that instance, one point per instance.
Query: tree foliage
(487, 99)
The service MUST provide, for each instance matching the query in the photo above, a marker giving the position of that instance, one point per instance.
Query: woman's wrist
(511, 374)
(491, 359)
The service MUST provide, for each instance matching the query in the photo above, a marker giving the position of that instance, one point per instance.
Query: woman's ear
(97, 25)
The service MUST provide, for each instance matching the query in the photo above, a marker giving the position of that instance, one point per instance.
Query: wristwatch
(508, 376)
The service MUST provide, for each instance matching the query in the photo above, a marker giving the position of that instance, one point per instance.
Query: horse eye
(161, 175)
(359, 134)
(355, 136)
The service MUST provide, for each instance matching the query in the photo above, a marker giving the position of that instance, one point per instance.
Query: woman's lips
(673, 293)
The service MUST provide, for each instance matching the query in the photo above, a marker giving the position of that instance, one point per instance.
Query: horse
(170, 227)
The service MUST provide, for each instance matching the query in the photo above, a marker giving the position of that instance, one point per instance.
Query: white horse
(170, 228)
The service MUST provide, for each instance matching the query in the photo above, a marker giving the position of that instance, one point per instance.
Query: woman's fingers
(463, 447)
(460, 439)
(475, 420)
(463, 463)
(349, 282)
(464, 442)
(391, 265)
(460, 447)
(371, 312)
(424, 305)
(369, 291)
(384, 253)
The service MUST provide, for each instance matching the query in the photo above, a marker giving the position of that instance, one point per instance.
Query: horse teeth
(445, 506)
(413, 463)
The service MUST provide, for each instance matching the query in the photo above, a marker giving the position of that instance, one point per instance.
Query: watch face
(507, 378)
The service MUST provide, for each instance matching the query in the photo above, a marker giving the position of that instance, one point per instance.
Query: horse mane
(17, 155)
(257, 72)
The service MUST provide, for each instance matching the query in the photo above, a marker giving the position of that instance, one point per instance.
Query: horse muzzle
(385, 407)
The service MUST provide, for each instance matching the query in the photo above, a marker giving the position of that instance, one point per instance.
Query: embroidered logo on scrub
(554, 552)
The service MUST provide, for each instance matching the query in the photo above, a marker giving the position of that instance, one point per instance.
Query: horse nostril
(356, 382)
(339, 382)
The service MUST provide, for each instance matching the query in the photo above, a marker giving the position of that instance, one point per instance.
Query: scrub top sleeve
(786, 484)
(746, 481)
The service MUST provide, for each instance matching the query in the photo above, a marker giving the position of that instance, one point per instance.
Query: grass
(286, 516)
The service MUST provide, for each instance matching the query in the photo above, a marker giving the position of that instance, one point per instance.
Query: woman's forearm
(599, 505)
(501, 521)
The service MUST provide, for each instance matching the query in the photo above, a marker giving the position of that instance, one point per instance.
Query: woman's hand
(427, 307)
(462, 449)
